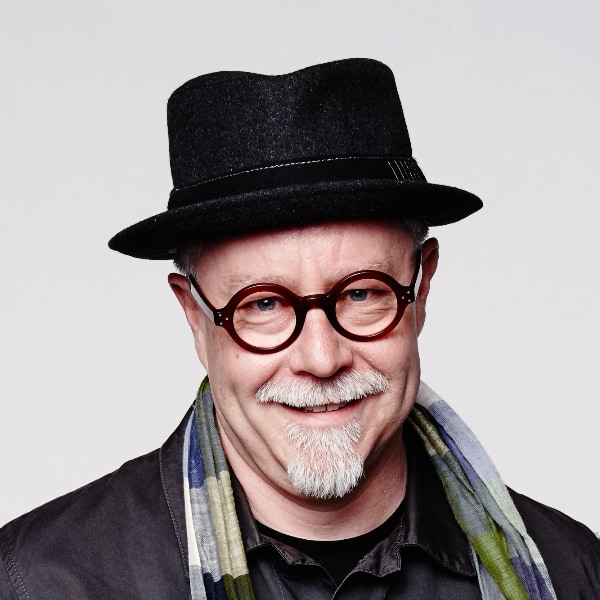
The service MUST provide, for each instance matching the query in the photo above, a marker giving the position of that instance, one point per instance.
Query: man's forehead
(329, 250)
(334, 230)
(249, 274)
(350, 236)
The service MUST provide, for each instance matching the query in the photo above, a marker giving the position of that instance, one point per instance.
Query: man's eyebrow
(383, 265)
(234, 282)
(240, 280)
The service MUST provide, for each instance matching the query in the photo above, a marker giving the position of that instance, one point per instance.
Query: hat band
(298, 173)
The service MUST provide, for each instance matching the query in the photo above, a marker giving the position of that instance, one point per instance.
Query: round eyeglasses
(267, 317)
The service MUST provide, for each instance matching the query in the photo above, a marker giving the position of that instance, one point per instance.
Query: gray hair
(186, 259)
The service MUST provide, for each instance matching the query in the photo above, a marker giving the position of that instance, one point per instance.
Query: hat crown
(229, 122)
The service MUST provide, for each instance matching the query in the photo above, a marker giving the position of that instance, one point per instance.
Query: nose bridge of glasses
(303, 304)
(323, 301)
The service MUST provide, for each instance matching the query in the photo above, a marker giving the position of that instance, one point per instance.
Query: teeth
(325, 407)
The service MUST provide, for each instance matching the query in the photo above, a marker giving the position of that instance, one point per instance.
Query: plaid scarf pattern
(217, 561)
(509, 565)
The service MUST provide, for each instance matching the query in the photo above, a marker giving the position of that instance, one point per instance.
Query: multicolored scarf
(509, 565)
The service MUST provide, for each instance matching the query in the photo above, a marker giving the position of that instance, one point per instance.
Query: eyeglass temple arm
(200, 301)
(418, 273)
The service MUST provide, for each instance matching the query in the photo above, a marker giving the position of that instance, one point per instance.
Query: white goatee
(326, 464)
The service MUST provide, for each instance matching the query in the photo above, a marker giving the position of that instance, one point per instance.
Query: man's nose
(319, 350)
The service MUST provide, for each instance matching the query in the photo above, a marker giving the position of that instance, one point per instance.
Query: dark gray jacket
(123, 537)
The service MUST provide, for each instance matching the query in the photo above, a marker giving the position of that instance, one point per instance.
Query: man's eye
(265, 304)
(358, 295)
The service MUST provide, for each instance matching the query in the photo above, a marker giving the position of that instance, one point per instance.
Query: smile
(325, 407)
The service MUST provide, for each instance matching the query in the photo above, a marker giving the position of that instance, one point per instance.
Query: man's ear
(181, 288)
(429, 261)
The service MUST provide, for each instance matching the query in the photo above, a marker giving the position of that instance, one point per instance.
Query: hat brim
(159, 237)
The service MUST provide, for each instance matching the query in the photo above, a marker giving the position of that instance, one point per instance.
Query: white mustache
(301, 392)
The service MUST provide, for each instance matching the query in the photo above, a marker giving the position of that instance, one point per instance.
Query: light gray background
(501, 98)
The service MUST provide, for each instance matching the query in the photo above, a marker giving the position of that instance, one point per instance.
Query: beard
(325, 464)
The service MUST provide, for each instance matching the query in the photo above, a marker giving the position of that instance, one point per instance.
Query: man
(315, 464)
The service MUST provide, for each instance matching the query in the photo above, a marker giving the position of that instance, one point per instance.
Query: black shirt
(337, 557)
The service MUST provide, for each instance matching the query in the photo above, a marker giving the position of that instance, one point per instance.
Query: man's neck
(377, 496)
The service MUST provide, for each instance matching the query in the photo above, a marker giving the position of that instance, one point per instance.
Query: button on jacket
(123, 537)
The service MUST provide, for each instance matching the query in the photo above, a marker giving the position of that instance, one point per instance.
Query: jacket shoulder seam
(172, 514)
(16, 580)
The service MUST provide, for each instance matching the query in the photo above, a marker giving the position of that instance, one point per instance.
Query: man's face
(263, 438)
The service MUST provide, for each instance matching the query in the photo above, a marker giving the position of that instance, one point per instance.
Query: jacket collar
(427, 521)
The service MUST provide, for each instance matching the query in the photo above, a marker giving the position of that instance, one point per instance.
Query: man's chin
(326, 464)
(325, 484)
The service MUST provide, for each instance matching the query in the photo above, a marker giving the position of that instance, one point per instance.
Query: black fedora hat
(254, 152)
